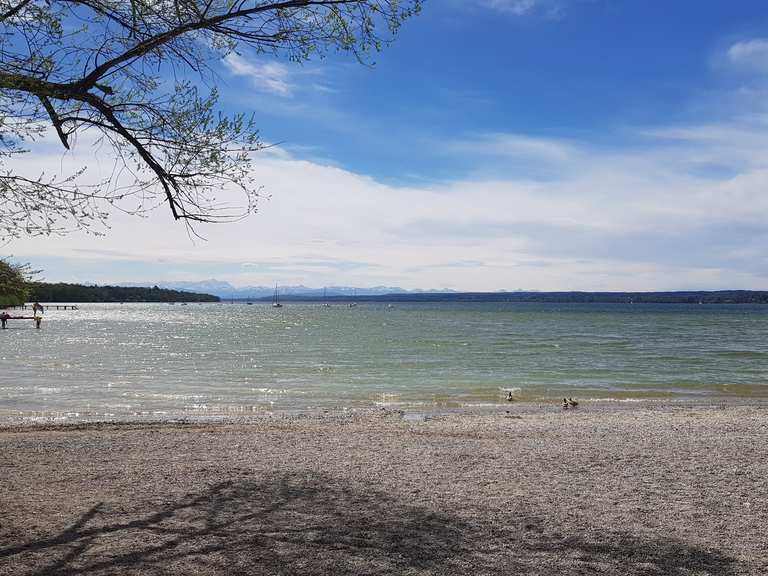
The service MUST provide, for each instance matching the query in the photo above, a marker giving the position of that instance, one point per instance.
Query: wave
(746, 354)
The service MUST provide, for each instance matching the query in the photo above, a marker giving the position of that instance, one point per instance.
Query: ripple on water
(167, 359)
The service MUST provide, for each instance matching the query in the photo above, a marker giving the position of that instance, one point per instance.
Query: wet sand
(645, 489)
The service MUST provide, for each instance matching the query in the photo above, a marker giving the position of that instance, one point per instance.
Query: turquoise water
(113, 361)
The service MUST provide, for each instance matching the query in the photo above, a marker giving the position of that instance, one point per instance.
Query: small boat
(276, 299)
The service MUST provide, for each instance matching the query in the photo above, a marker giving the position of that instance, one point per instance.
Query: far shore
(624, 488)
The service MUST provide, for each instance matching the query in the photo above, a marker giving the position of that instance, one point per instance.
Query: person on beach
(4, 316)
(37, 307)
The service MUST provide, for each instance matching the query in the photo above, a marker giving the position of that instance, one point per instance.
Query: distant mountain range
(226, 291)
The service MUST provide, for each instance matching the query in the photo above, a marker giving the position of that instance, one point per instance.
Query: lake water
(118, 361)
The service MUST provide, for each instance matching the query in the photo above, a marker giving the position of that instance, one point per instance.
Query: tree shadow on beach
(300, 525)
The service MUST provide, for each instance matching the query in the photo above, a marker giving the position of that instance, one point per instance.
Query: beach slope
(645, 490)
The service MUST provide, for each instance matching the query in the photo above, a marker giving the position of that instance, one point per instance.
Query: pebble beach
(645, 489)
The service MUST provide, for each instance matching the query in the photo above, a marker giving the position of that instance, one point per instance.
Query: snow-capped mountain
(225, 290)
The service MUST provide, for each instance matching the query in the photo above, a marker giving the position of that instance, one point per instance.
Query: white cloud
(516, 147)
(272, 77)
(668, 207)
(620, 219)
(275, 78)
(750, 55)
(516, 7)
(549, 8)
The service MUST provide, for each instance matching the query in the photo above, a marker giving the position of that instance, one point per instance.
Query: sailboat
(325, 301)
(276, 299)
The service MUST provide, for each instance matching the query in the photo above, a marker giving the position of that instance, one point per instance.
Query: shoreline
(640, 491)
(528, 408)
(651, 489)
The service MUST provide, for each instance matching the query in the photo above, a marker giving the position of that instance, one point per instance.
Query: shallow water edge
(512, 410)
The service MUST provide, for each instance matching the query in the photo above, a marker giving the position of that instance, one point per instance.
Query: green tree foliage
(106, 67)
(14, 287)
(45, 292)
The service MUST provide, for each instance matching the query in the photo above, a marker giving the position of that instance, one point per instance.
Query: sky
(495, 145)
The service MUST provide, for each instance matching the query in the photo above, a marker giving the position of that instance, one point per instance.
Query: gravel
(630, 489)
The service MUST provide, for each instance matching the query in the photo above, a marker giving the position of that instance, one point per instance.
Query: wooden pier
(4, 317)
(46, 307)
(37, 318)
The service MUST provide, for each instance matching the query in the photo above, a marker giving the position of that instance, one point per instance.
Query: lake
(112, 361)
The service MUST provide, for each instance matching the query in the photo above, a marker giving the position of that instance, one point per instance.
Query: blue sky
(497, 144)
(466, 68)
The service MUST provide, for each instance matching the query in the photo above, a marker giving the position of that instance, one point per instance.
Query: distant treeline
(719, 297)
(44, 292)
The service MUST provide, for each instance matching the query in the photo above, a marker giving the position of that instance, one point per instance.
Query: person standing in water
(37, 307)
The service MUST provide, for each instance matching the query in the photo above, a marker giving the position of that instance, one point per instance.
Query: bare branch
(55, 120)
(13, 10)
(103, 66)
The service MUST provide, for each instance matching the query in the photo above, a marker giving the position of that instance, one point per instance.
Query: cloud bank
(675, 206)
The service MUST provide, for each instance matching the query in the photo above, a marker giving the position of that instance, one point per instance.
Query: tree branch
(104, 65)
(166, 180)
(206, 23)
(14, 10)
(55, 120)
